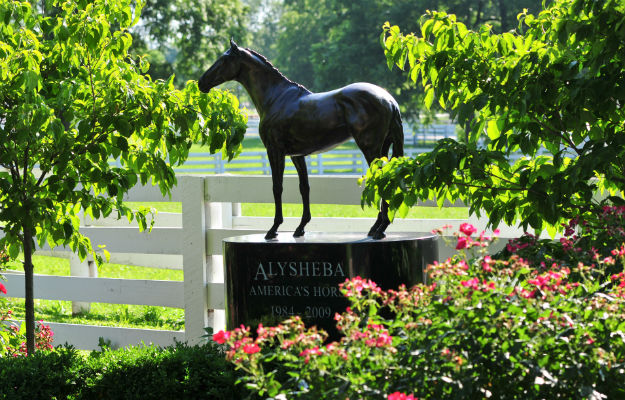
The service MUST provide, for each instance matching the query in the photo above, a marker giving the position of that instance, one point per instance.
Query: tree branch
(559, 134)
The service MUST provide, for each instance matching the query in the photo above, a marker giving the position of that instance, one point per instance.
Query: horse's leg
(276, 161)
(382, 222)
(304, 189)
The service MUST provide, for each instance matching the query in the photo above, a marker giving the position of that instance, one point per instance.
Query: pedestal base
(269, 281)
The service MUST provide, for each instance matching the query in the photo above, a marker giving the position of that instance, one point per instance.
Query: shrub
(13, 335)
(176, 372)
(597, 238)
(482, 328)
(43, 375)
(145, 372)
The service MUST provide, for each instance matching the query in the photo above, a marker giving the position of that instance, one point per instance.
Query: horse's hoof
(298, 233)
(378, 236)
(271, 235)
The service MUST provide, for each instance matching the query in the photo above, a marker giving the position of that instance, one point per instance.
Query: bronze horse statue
(296, 122)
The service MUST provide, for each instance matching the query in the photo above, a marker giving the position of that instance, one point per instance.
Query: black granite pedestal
(269, 281)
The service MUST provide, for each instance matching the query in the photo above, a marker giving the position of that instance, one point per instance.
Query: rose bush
(592, 241)
(13, 335)
(480, 328)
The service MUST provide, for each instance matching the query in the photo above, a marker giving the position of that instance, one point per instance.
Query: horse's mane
(275, 70)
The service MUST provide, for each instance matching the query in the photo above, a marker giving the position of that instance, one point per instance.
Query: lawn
(321, 210)
(102, 314)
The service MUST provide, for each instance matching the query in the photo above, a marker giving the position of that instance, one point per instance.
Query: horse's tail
(396, 133)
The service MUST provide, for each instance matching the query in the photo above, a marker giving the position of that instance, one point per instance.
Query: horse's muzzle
(205, 86)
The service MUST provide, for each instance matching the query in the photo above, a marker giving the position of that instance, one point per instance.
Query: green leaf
(403, 210)
(494, 128)
(429, 97)
(14, 249)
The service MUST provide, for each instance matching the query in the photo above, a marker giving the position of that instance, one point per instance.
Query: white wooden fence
(193, 241)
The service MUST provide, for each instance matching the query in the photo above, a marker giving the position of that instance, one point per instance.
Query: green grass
(322, 210)
(161, 206)
(103, 314)
(46, 265)
(350, 211)
(120, 315)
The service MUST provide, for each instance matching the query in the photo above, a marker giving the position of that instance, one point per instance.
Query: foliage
(80, 100)
(44, 375)
(327, 44)
(147, 372)
(588, 242)
(556, 88)
(265, 26)
(184, 36)
(70, 99)
(13, 336)
(153, 373)
(500, 14)
(483, 328)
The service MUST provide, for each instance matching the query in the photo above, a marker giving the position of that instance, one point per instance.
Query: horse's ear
(233, 46)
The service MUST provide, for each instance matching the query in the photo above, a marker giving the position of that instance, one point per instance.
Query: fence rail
(193, 240)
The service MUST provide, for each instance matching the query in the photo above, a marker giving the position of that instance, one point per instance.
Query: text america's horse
(295, 122)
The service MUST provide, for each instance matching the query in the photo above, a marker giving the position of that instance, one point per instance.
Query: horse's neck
(265, 88)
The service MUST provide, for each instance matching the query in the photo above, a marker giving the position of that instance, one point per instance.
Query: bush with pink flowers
(13, 335)
(596, 240)
(480, 328)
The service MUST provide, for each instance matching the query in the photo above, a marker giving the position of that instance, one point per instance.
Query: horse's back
(367, 90)
(365, 103)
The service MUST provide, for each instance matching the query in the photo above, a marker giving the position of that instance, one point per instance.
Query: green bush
(44, 375)
(178, 372)
(483, 328)
(148, 372)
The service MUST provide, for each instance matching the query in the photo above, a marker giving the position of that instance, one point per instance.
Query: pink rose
(401, 396)
(251, 348)
(467, 229)
(221, 337)
(463, 243)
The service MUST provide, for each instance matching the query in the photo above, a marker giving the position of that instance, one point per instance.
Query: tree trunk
(29, 303)
(503, 12)
(478, 14)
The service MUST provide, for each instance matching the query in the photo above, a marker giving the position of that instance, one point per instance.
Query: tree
(70, 100)
(327, 44)
(501, 14)
(264, 26)
(185, 36)
(558, 88)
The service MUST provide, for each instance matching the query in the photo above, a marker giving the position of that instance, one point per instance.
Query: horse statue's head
(226, 68)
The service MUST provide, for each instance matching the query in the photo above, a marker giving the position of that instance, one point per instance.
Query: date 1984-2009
(309, 311)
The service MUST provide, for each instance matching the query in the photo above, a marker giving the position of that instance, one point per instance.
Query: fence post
(194, 258)
(84, 268)
(222, 164)
(265, 161)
